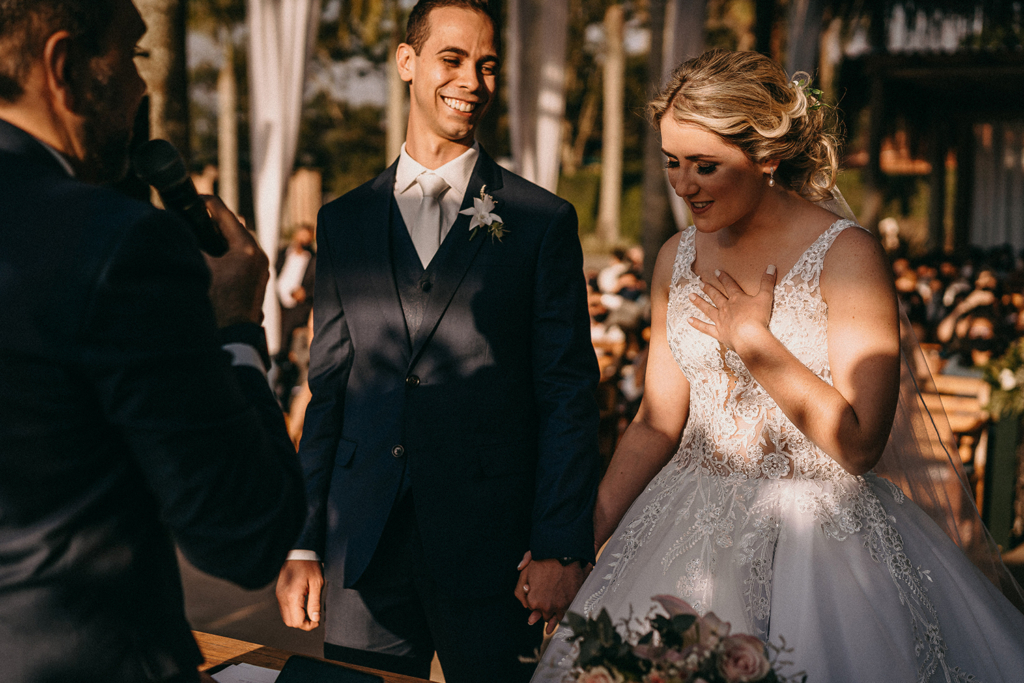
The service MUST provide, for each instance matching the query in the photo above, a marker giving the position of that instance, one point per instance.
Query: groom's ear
(405, 57)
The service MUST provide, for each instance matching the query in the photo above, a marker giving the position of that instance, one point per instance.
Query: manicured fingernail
(771, 269)
(717, 273)
(526, 588)
(693, 297)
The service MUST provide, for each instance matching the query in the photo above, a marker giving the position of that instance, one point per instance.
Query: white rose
(1007, 380)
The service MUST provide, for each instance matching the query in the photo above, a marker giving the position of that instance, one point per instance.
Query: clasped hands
(547, 588)
(736, 317)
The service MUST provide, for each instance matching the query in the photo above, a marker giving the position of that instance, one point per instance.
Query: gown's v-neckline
(692, 239)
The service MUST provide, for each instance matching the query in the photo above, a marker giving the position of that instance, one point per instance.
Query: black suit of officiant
(123, 429)
(461, 395)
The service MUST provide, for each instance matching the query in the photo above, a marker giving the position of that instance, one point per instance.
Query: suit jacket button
(398, 451)
(425, 285)
(412, 381)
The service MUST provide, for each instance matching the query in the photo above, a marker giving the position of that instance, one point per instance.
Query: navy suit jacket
(490, 406)
(123, 429)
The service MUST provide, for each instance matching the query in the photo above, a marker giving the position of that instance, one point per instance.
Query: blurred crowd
(620, 319)
(966, 308)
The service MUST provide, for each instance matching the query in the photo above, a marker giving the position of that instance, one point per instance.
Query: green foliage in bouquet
(1006, 375)
(678, 647)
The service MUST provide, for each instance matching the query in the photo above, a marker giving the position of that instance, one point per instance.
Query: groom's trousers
(395, 617)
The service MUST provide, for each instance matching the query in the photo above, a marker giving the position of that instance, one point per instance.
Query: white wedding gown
(753, 522)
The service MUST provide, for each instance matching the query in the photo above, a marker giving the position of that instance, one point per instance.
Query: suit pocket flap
(344, 452)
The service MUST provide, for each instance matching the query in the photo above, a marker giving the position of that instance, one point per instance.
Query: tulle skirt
(873, 591)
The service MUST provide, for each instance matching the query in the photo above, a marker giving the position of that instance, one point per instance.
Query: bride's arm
(850, 420)
(653, 436)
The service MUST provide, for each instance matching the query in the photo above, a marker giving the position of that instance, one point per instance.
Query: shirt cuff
(244, 354)
(310, 555)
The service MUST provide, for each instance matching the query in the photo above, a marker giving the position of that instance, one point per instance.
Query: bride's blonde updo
(747, 99)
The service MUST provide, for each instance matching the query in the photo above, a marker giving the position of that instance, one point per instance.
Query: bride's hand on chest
(738, 319)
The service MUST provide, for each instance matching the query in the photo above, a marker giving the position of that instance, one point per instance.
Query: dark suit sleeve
(330, 361)
(208, 439)
(565, 379)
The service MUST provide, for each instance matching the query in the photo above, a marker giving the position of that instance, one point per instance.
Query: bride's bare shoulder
(856, 257)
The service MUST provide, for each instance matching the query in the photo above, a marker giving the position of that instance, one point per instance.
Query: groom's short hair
(418, 29)
(26, 25)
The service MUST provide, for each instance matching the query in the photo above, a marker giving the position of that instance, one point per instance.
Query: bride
(749, 483)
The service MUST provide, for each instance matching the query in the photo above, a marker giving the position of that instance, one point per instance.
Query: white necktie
(426, 235)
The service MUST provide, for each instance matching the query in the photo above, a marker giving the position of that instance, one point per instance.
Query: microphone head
(158, 163)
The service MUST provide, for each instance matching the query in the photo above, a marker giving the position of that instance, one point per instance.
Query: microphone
(158, 163)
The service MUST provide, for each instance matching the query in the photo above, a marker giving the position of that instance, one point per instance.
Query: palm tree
(165, 72)
(219, 18)
(612, 126)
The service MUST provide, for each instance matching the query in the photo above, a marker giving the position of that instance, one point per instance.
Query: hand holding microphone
(158, 163)
(238, 267)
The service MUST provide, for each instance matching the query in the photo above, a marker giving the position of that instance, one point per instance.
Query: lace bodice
(734, 426)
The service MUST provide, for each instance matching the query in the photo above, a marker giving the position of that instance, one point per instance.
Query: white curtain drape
(997, 212)
(282, 34)
(535, 46)
(805, 17)
(684, 39)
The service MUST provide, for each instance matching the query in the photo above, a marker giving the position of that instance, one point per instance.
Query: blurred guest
(608, 278)
(134, 409)
(976, 344)
(608, 338)
(296, 273)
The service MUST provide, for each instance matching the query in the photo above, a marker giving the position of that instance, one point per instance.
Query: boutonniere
(483, 218)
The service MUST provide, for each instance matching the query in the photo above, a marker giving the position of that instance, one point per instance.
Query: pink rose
(742, 659)
(712, 630)
(655, 677)
(598, 674)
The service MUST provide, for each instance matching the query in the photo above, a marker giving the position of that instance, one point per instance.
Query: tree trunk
(227, 124)
(396, 115)
(164, 72)
(612, 132)
(657, 223)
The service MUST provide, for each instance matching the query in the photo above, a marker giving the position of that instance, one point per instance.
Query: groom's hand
(548, 588)
(298, 593)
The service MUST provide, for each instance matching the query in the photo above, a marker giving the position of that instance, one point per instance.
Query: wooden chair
(964, 400)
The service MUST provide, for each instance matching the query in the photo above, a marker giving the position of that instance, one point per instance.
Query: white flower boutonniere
(483, 218)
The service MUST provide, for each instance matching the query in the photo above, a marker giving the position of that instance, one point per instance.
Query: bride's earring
(771, 178)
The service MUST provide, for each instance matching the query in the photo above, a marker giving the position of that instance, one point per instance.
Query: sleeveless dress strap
(808, 268)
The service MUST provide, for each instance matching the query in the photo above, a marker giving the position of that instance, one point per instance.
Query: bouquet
(682, 647)
(1006, 375)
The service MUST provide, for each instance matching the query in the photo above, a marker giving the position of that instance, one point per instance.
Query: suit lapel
(374, 229)
(457, 256)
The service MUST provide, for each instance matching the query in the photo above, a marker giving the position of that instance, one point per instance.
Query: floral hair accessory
(483, 218)
(802, 81)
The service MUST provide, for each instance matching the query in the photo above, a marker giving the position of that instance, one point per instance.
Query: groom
(452, 425)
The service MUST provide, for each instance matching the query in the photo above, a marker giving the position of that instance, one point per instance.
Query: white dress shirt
(408, 193)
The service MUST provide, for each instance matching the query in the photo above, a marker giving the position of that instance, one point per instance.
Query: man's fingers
(234, 232)
(522, 590)
(312, 605)
(535, 616)
(553, 623)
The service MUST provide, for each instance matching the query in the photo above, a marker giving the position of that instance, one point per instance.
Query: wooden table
(220, 650)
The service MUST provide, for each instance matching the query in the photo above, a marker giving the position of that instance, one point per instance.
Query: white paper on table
(246, 673)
